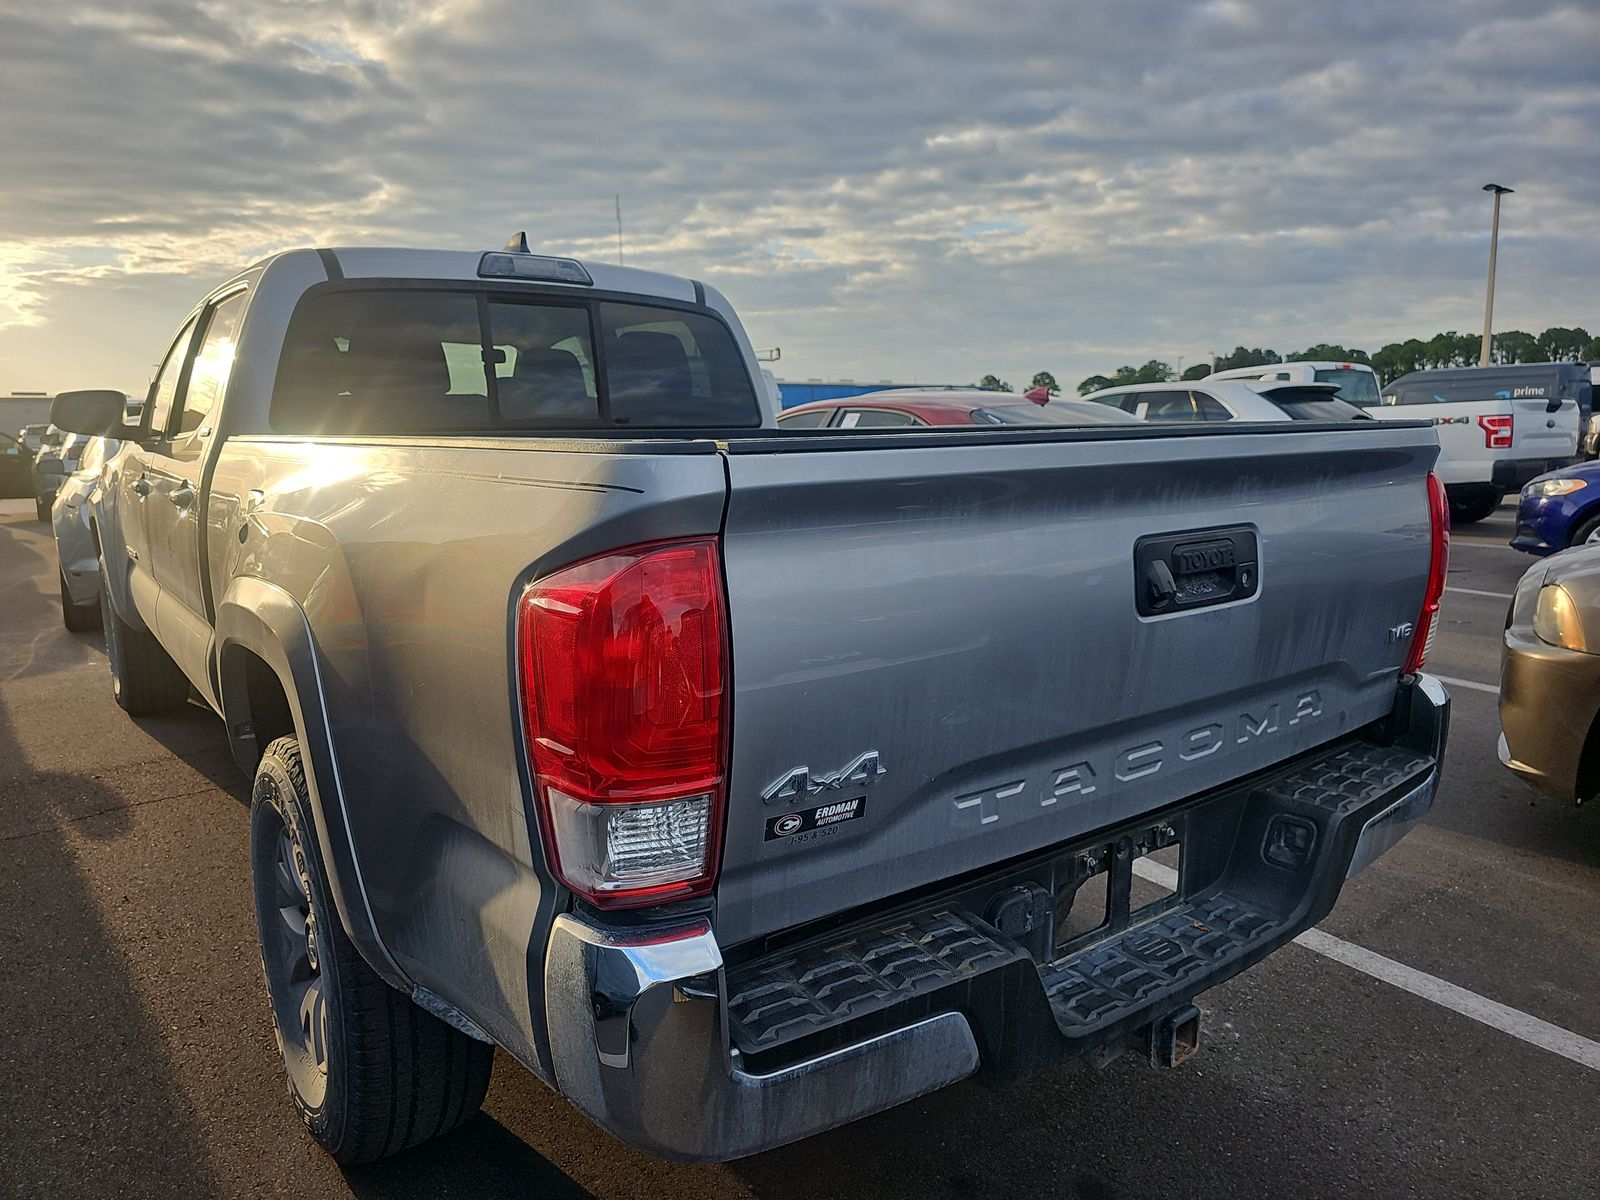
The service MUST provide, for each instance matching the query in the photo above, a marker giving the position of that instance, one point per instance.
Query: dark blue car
(1559, 509)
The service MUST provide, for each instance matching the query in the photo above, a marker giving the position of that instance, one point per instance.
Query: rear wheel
(1468, 506)
(144, 679)
(41, 509)
(370, 1072)
(79, 618)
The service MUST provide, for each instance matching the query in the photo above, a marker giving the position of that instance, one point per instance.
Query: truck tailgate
(966, 609)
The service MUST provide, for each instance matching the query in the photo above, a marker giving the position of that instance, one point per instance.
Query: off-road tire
(78, 618)
(144, 679)
(387, 1074)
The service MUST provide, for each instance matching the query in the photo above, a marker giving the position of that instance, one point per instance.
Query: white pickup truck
(740, 781)
(1498, 427)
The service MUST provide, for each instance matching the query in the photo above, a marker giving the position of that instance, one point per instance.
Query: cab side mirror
(97, 412)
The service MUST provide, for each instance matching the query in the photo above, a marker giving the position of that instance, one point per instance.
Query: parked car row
(1498, 427)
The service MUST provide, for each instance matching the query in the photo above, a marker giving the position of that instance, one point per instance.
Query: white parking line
(1476, 592)
(1470, 684)
(1481, 1009)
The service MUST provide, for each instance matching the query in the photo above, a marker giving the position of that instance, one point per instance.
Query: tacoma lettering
(988, 806)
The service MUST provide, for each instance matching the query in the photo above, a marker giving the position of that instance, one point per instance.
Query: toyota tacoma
(740, 782)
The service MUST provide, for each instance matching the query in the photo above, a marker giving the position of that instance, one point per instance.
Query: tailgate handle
(1198, 568)
(1163, 587)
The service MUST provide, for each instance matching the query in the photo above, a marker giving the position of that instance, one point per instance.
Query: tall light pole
(1494, 245)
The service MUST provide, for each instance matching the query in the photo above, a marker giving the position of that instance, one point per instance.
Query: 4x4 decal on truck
(1084, 778)
(801, 782)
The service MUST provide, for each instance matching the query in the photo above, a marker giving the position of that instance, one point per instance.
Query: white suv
(1230, 400)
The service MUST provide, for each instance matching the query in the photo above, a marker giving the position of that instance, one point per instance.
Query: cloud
(931, 192)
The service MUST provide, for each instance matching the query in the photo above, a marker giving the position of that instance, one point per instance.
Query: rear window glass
(1358, 387)
(1312, 405)
(375, 361)
(667, 369)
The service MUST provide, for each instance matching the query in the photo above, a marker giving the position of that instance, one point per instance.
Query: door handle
(183, 494)
(141, 487)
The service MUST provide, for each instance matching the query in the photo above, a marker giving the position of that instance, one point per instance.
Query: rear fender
(265, 620)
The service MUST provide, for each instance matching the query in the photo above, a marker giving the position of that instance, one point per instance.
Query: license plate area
(1117, 885)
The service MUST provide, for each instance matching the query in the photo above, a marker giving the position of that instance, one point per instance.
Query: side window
(812, 419)
(863, 418)
(1169, 406)
(164, 391)
(212, 363)
(383, 362)
(1208, 408)
(672, 369)
(544, 373)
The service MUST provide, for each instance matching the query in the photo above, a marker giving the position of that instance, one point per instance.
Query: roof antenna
(618, 198)
(518, 243)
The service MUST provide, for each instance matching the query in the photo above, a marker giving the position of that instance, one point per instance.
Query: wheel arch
(1586, 781)
(115, 578)
(1585, 516)
(269, 683)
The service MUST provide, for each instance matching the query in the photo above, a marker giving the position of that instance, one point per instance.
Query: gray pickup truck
(740, 782)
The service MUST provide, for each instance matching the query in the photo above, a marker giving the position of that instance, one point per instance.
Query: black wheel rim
(291, 955)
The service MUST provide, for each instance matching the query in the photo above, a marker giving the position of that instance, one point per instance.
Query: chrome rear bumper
(653, 1064)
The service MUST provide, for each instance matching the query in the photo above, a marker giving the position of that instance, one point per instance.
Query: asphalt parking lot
(137, 1058)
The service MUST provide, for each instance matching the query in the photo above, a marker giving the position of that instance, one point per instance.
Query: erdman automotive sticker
(835, 812)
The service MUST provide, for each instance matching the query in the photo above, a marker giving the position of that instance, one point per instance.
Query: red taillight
(1497, 431)
(1438, 564)
(623, 664)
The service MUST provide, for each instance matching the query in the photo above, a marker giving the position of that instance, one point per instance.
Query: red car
(909, 406)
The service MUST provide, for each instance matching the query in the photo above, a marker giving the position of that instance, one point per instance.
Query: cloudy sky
(924, 191)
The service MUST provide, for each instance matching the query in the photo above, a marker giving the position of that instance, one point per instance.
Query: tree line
(1556, 344)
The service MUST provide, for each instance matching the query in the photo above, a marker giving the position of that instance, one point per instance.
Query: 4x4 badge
(801, 782)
